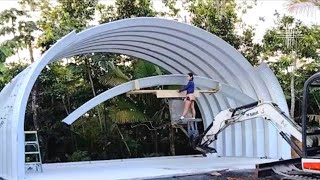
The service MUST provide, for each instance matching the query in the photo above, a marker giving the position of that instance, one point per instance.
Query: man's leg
(193, 109)
(187, 104)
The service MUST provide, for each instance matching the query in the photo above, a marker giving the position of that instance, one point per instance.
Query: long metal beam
(201, 82)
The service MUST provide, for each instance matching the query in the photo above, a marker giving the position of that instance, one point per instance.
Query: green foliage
(6, 51)
(106, 13)
(9, 72)
(137, 125)
(248, 48)
(171, 4)
(114, 75)
(134, 8)
(79, 156)
(19, 30)
(144, 69)
(305, 44)
(55, 22)
(296, 61)
(126, 9)
(125, 111)
(219, 19)
(10, 16)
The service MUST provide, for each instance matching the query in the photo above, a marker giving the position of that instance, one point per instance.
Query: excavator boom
(267, 110)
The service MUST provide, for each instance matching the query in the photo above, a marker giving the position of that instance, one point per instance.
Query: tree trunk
(106, 123)
(156, 141)
(74, 138)
(31, 52)
(34, 93)
(65, 105)
(14, 35)
(125, 143)
(292, 97)
(292, 88)
(67, 109)
(91, 81)
(94, 93)
(34, 107)
(171, 141)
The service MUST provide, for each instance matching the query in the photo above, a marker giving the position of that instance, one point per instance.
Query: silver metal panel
(177, 47)
(232, 73)
(277, 97)
(151, 82)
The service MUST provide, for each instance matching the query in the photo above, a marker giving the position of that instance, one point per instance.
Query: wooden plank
(142, 92)
(136, 85)
(30, 132)
(187, 120)
(209, 91)
(170, 93)
(173, 94)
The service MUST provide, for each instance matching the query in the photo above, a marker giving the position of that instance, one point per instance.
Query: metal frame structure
(312, 81)
(202, 82)
(177, 47)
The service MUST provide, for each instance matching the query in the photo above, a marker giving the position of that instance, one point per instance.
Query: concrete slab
(142, 168)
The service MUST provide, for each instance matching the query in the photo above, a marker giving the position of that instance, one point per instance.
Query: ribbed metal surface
(177, 47)
(202, 82)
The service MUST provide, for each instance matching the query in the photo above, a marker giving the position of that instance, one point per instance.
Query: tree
(135, 8)
(9, 71)
(126, 9)
(220, 18)
(26, 28)
(291, 58)
(250, 50)
(9, 27)
(55, 22)
(4, 53)
(304, 6)
(216, 17)
(21, 31)
(126, 110)
(134, 126)
(173, 10)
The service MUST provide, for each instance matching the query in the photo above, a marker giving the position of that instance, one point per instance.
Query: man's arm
(185, 87)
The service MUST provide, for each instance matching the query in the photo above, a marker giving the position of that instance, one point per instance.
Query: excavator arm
(267, 110)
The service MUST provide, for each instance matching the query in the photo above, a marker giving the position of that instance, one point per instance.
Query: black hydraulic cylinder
(293, 145)
(245, 107)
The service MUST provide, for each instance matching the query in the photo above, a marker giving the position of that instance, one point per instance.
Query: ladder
(32, 152)
(176, 107)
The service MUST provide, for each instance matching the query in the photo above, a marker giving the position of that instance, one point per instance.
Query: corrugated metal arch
(201, 82)
(177, 47)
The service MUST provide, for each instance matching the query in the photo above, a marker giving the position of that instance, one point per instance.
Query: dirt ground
(224, 175)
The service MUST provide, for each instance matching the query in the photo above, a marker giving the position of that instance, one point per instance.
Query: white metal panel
(193, 50)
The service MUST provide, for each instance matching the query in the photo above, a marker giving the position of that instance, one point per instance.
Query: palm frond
(118, 73)
(304, 6)
(2, 67)
(315, 90)
(112, 80)
(158, 71)
(127, 116)
(114, 75)
(5, 51)
(144, 69)
(125, 111)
